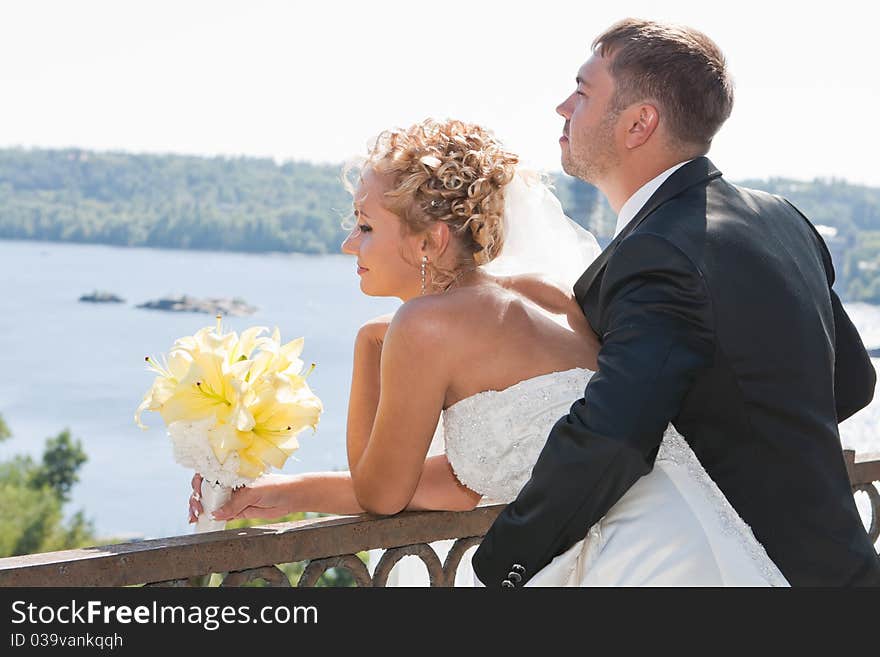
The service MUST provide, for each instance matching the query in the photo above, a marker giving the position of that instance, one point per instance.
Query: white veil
(539, 238)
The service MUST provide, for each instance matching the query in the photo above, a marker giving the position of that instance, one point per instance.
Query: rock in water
(101, 297)
(186, 304)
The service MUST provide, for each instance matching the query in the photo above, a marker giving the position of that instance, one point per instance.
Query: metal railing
(239, 556)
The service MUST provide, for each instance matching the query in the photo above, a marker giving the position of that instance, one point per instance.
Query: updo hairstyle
(447, 171)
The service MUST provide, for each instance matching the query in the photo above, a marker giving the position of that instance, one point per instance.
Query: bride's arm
(438, 488)
(414, 376)
(276, 495)
(363, 398)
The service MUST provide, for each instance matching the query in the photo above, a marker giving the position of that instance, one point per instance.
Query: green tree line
(258, 205)
(171, 201)
(33, 494)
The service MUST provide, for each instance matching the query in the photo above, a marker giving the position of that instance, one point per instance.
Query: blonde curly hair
(447, 171)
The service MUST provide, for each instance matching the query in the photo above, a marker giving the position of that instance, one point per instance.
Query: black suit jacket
(715, 312)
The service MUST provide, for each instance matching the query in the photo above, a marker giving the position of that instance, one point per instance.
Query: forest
(259, 205)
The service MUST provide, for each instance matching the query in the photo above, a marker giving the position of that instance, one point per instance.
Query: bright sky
(315, 80)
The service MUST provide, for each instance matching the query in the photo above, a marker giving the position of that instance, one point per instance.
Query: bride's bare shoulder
(439, 315)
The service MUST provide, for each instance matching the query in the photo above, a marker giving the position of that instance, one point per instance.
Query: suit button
(507, 584)
(514, 577)
(517, 568)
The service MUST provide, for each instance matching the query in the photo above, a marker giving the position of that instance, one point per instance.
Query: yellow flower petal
(144, 406)
(247, 343)
(249, 466)
(289, 444)
(241, 418)
(224, 439)
(265, 452)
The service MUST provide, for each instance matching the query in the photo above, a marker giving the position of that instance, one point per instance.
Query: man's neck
(629, 179)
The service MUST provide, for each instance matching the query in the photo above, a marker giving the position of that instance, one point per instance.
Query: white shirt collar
(635, 202)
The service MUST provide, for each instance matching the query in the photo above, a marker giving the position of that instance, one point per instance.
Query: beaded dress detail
(686, 532)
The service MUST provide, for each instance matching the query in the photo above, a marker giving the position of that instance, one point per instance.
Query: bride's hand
(195, 503)
(266, 497)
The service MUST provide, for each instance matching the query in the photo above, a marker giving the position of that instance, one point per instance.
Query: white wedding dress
(673, 527)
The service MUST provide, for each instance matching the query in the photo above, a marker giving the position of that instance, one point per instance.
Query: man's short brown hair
(679, 68)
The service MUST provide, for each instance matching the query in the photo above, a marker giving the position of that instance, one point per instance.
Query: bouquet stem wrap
(214, 495)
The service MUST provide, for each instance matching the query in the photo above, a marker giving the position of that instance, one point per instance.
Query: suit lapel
(700, 170)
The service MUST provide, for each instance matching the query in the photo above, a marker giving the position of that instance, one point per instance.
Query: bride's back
(495, 337)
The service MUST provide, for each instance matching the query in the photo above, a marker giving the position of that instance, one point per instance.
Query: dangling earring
(424, 264)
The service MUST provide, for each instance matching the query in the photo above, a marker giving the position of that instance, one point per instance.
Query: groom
(715, 311)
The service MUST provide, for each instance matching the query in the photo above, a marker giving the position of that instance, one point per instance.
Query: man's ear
(641, 122)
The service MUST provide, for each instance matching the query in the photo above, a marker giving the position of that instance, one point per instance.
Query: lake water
(81, 365)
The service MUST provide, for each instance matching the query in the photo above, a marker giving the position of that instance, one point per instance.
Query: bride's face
(380, 245)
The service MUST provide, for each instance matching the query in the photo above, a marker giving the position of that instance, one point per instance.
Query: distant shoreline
(279, 254)
(252, 205)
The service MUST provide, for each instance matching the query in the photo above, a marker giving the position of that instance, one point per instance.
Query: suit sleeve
(854, 373)
(656, 340)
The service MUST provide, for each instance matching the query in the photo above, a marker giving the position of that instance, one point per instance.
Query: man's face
(588, 138)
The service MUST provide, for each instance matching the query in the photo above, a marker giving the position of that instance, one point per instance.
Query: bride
(489, 337)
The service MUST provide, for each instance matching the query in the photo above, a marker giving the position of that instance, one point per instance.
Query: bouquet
(233, 407)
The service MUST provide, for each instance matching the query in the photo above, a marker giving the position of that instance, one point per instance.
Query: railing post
(849, 458)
